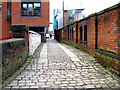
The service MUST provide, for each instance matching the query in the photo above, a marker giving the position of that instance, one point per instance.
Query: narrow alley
(63, 66)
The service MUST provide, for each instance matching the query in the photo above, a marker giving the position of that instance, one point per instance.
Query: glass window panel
(24, 9)
(0, 7)
(30, 7)
(36, 5)
(25, 6)
(37, 9)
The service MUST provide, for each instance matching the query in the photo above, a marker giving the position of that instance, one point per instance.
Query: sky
(90, 6)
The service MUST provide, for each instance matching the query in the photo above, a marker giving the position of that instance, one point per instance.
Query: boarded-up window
(85, 34)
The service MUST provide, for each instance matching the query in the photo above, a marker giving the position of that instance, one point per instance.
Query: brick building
(65, 17)
(33, 14)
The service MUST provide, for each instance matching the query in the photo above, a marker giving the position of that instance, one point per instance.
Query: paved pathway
(60, 67)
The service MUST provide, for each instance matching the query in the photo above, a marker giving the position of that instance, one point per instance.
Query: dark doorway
(68, 33)
(72, 34)
(81, 34)
(77, 33)
(85, 34)
(37, 29)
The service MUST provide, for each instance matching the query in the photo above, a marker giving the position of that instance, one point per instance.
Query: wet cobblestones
(62, 66)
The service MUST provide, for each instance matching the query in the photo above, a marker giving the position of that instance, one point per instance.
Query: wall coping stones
(98, 13)
(11, 40)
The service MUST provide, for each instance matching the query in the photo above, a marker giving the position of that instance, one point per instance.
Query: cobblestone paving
(57, 69)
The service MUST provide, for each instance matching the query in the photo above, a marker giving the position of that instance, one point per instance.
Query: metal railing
(29, 13)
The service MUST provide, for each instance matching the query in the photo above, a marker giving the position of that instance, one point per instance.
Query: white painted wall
(34, 41)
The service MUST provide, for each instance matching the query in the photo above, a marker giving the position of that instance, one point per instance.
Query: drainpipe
(96, 31)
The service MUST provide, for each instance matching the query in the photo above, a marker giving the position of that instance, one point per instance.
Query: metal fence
(34, 41)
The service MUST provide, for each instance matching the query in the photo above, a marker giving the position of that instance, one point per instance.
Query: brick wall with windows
(39, 17)
(86, 35)
(91, 34)
(99, 30)
(26, 13)
(74, 32)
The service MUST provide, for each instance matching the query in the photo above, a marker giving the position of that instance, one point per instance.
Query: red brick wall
(82, 23)
(43, 20)
(17, 19)
(90, 22)
(66, 33)
(42, 37)
(108, 30)
(5, 22)
(118, 22)
(60, 34)
(70, 32)
(91, 34)
(74, 27)
(65, 18)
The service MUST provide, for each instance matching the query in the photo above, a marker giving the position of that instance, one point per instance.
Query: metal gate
(34, 41)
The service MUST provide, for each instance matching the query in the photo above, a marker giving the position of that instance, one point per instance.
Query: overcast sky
(90, 6)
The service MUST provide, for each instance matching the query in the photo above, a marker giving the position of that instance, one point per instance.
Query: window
(24, 9)
(0, 7)
(37, 9)
(72, 34)
(8, 9)
(81, 34)
(30, 9)
(85, 34)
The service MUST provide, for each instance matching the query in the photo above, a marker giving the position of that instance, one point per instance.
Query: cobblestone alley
(63, 66)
